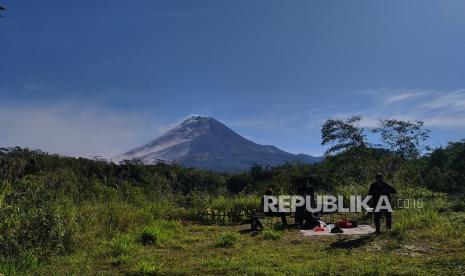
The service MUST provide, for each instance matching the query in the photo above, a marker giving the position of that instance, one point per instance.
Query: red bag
(319, 229)
(344, 224)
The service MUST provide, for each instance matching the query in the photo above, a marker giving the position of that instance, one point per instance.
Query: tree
(403, 137)
(238, 182)
(260, 173)
(343, 135)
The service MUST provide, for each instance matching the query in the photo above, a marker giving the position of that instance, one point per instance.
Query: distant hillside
(203, 142)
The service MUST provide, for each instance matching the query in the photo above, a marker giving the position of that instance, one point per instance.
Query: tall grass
(74, 211)
(160, 233)
(227, 240)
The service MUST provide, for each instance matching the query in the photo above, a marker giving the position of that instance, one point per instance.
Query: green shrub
(160, 232)
(121, 245)
(31, 225)
(144, 268)
(458, 206)
(119, 260)
(226, 240)
(271, 234)
(19, 265)
(410, 219)
(151, 236)
(408, 222)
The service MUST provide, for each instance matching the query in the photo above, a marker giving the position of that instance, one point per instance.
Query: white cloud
(446, 122)
(78, 129)
(391, 99)
(437, 108)
(74, 130)
(394, 96)
(446, 100)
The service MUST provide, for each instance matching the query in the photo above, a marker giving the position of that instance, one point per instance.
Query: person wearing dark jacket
(301, 211)
(303, 217)
(377, 190)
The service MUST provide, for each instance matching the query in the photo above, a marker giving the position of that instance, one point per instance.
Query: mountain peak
(197, 119)
(204, 142)
(195, 126)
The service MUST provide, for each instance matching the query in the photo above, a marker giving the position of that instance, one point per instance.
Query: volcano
(205, 143)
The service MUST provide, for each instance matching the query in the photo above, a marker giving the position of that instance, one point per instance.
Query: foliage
(226, 240)
(444, 169)
(269, 234)
(159, 232)
(403, 252)
(403, 137)
(123, 244)
(237, 183)
(145, 268)
(343, 135)
(69, 211)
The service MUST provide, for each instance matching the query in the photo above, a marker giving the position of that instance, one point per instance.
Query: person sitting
(270, 213)
(310, 221)
(303, 217)
(300, 211)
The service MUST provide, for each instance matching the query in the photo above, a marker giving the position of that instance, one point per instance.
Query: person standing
(378, 189)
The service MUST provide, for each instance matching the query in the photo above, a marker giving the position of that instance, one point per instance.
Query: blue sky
(99, 77)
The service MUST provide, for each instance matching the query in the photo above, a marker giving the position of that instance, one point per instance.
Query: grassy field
(65, 216)
(426, 241)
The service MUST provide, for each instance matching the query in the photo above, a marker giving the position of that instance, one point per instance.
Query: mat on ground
(359, 230)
